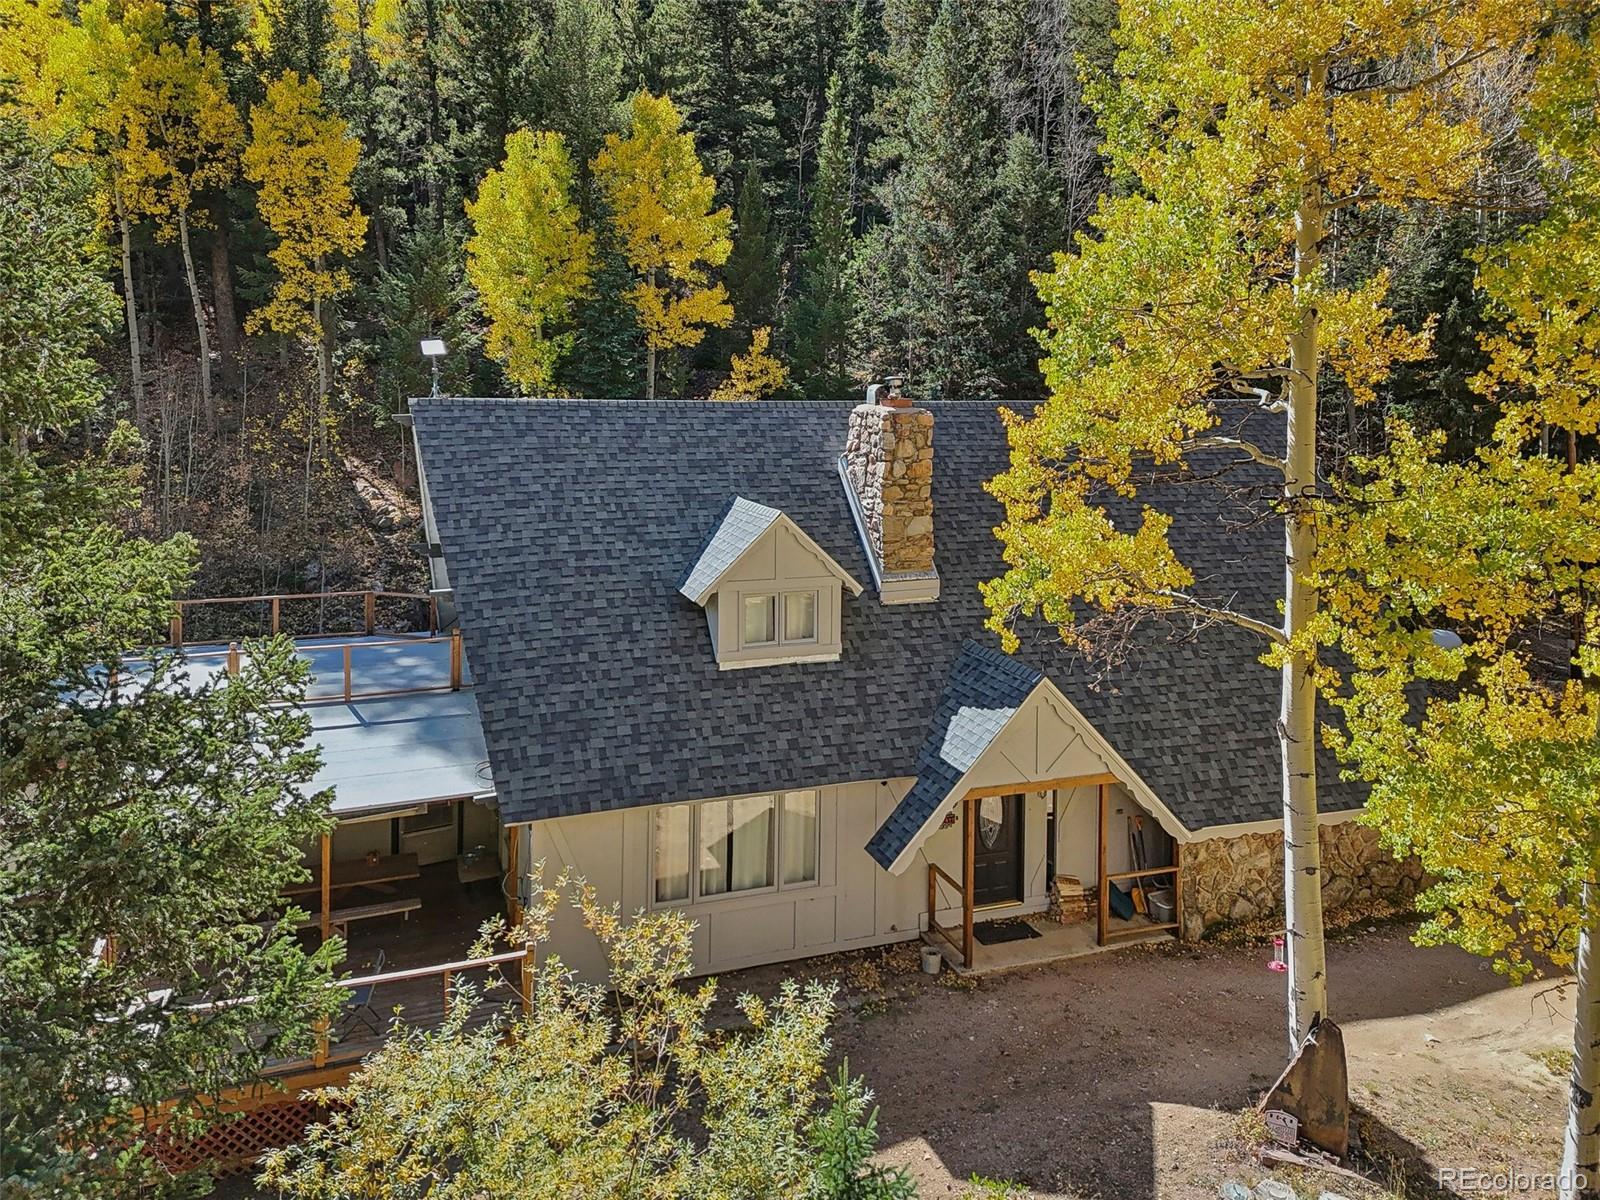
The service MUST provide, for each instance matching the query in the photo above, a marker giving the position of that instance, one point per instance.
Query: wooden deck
(441, 931)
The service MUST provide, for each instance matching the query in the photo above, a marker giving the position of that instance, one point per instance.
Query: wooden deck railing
(1107, 934)
(274, 603)
(233, 660)
(962, 947)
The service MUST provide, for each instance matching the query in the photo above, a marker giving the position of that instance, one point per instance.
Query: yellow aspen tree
(40, 50)
(755, 373)
(300, 158)
(528, 257)
(660, 198)
(183, 138)
(72, 87)
(1479, 741)
(1198, 321)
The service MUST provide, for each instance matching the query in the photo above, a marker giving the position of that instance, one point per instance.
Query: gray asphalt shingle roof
(982, 694)
(566, 526)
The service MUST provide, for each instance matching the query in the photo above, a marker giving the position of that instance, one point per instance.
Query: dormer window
(763, 627)
(771, 594)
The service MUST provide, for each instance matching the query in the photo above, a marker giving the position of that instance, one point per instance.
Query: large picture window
(724, 847)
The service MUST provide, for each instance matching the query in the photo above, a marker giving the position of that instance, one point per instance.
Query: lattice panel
(233, 1146)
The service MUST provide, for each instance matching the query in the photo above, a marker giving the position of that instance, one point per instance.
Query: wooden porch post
(175, 630)
(511, 885)
(1177, 885)
(455, 659)
(1104, 884)
(369, 611)
(969, 834)
(327, 882)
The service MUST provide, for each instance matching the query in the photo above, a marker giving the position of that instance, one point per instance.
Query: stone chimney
(888, 463)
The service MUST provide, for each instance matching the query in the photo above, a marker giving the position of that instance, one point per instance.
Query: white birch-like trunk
(1297, 730)
(131, 308)
(204, 341)
(1580, 1156)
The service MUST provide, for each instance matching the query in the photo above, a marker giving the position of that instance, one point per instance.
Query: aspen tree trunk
(206, 405)
(1297, 731)
(132, 309)
(650, 359)
(1580, 1155)
(324, 354)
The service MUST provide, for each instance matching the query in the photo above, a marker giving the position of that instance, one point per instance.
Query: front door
(997, 857)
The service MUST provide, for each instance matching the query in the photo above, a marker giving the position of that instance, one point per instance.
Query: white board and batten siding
(854, 903)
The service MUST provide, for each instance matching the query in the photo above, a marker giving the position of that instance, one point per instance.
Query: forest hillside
(593, 198)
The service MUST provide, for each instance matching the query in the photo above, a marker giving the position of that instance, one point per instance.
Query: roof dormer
(771, 594)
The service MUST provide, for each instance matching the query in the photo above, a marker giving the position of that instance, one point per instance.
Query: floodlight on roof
(433, 350)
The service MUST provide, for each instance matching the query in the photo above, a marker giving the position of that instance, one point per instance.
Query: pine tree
(942, 260)
(1032, 229)
(489, 56)
(819, 326)
(753, 272)
(170, 814)
(660, 199)
(580, 85)
(528, 258)
(718, 68)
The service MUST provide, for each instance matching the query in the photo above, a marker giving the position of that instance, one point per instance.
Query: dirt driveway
(1119, 1075)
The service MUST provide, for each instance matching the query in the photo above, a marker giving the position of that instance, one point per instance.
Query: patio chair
(358, 1008)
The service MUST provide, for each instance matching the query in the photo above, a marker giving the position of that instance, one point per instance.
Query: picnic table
(358, 872)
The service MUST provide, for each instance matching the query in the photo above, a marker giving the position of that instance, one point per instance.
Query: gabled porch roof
(1001, 725)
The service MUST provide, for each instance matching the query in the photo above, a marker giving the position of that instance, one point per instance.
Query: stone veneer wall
(1238, 879)
(889, 458)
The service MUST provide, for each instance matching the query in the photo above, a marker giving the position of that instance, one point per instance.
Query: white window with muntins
(778, 619)
(719, 848)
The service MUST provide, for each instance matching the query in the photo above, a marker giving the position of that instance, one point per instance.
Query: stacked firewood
(1073, 901)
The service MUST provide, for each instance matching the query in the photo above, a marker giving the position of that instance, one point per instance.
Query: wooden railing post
(319, 1056)
(327, 884)
(455, 659)
(527, 977)
(370, 611)
(969, 872)
(433, 615)
(448, 976)
(276, 615)
(933, 898)
(1104, 904)
(347, 671)
(175, 628)
(233, 659)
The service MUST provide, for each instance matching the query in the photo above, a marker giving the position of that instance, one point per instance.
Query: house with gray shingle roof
(732, 659)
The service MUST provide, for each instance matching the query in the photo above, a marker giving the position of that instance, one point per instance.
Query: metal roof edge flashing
(893, 587)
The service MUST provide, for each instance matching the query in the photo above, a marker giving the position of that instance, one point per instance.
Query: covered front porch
(1116, 906)
(1036, 838)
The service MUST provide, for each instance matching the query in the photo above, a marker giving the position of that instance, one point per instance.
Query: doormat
(990, 934)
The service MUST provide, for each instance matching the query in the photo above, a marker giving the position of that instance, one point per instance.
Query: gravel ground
(1123, 1074)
